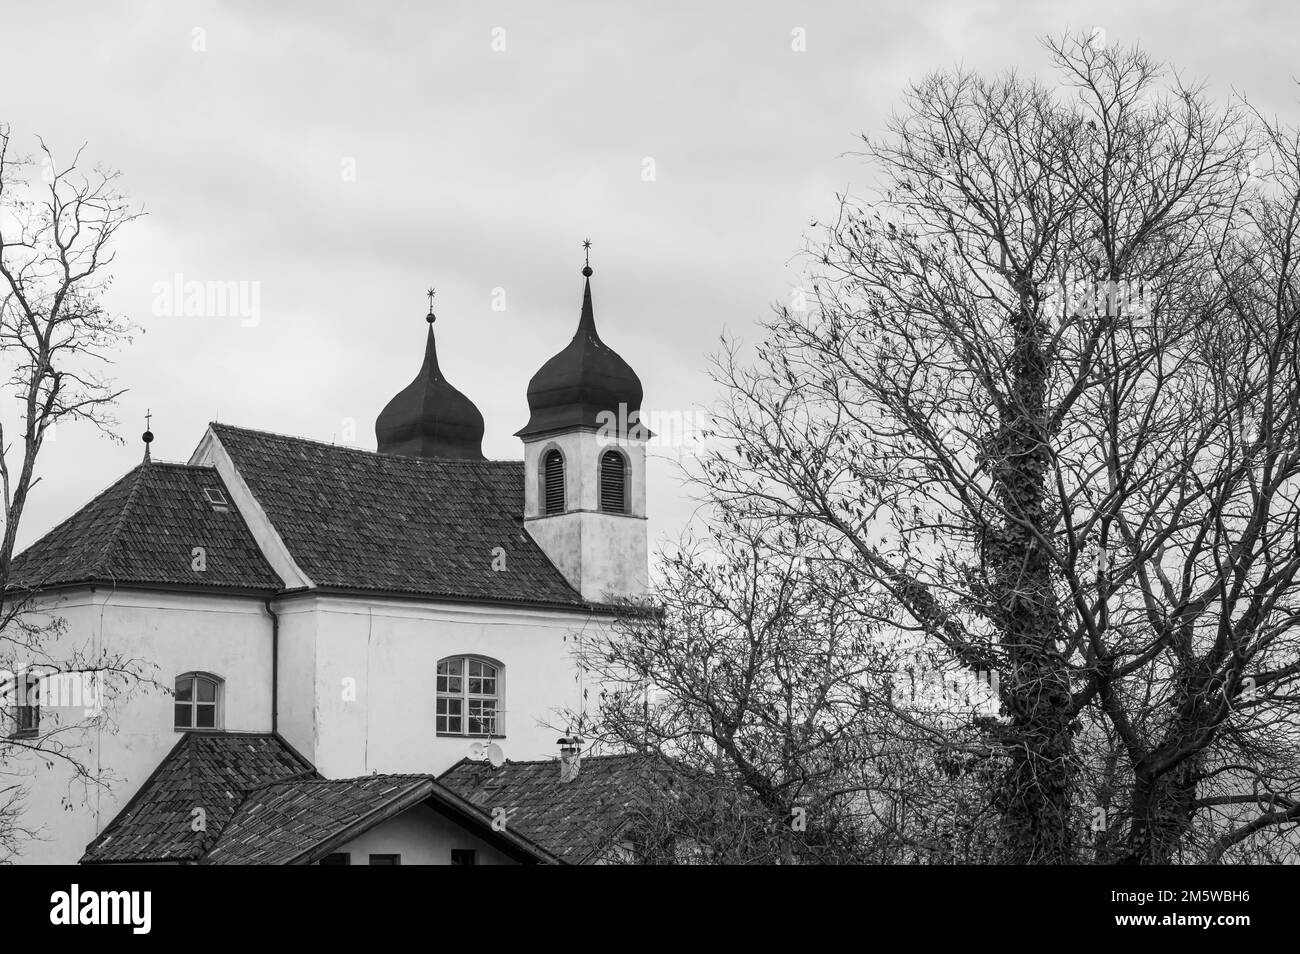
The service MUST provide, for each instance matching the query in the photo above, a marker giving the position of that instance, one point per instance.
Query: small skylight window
(216, 498)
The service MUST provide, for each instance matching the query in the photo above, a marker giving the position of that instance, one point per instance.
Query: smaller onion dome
(429, 417)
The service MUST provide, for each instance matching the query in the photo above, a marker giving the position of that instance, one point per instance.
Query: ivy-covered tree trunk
(1035, 796)
(1163, 805)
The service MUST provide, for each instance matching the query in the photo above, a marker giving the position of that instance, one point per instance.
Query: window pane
(442, 723)
(453, 706)
(207, 717)
(183, 717)
(453, 724)
(207, 690)
(450, 675)
(475, 685)
(185, 689)
(482, 717)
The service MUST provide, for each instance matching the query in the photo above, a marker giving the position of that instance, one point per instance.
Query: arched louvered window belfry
(553, 482)
(613, 482)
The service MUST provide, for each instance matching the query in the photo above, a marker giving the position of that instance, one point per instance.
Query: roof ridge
(119, 519)
(77, 513)
(358, 778)
(438, 461)
(552, 759)
(179, 465)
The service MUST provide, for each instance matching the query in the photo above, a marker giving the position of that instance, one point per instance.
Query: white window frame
(218, 703)
(466, 699)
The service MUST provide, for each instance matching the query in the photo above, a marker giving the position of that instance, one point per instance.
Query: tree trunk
(1035, 796)
(1162, 811)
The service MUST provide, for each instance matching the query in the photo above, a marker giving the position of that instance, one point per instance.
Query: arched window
(553, 482)
(198, 701)
(613, 482)
(469, 697)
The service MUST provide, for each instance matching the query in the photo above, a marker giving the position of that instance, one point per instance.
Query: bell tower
(584, 464)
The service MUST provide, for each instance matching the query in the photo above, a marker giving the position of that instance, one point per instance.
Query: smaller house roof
(264, 804)
(575, 820)
(302, 820)
(211, 771)
(144, 530)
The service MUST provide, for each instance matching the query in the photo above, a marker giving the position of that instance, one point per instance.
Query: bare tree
(776, 719)
(57, 227)
(1045, 402)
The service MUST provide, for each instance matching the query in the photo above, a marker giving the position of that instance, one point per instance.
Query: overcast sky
(345, 156)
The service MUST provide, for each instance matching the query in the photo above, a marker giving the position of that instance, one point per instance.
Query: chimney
(570, 757)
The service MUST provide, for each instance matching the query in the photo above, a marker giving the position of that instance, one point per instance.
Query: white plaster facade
(356, 693)
(367, 670)
(169, 634)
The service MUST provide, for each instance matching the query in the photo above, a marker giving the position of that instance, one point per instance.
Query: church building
(356, 657)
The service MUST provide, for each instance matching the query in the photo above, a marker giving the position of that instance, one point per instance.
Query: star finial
(586, 257)
(430, 317)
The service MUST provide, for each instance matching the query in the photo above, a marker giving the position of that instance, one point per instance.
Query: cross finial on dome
(147, 436)
(586, 257)
(430, 317)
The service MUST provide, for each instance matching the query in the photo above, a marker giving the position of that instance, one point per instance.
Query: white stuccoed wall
(176, 633)
(390, 647)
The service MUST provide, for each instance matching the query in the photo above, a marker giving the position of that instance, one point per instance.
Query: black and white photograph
(832, 434)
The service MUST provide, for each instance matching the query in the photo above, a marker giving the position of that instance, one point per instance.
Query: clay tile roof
(358, 520)
(574, 821)
(300, 821)
(143, 530)
(280, 822)
(211, 771)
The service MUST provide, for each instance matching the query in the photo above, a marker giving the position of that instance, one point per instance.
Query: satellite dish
(476, 750)
(496, 757)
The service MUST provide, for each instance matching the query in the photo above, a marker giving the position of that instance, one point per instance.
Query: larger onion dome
(587, 378)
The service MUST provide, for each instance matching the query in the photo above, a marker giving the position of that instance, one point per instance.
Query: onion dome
(429, 417)
(585, 379)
